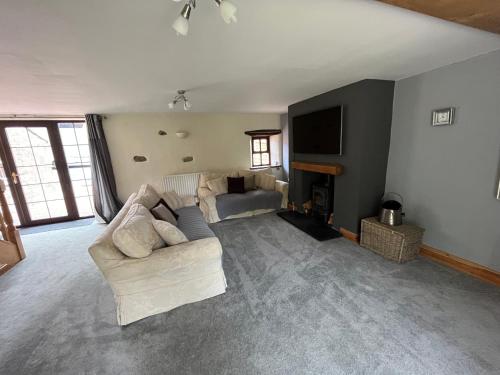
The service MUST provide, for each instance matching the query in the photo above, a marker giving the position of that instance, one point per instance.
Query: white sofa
(168, 278)
(259, 203)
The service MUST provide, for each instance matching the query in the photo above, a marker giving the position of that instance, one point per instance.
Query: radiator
(182, 184)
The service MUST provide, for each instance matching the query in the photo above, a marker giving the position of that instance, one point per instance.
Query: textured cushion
(236, 185)
(267, 182)
(162, 212)
(173, 199)
(207, 176)
(218, 185)
(192, 223)
(170, 233)
(188, 201)
(147, 196)
(135, 236)
(259, 175)
(249, 179)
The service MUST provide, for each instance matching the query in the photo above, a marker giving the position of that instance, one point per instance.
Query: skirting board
(4, 268)
(462, 265)
(349, 235)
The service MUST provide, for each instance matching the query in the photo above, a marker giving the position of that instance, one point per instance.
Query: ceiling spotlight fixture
(227, 10)
(181, 23)
(180, 97)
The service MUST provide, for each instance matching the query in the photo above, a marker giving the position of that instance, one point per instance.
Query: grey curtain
(106, 200)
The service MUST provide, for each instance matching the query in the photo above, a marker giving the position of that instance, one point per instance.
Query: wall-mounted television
(318, 132)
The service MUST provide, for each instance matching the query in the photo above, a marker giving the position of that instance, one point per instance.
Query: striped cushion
(192, 223)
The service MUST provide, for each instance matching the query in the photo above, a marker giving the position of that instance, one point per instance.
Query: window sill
(266, 166)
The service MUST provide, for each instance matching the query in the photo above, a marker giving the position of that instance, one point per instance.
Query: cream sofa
(168, 278)
(260, 204)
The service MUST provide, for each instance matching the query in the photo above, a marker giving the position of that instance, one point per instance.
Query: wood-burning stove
(322, 199)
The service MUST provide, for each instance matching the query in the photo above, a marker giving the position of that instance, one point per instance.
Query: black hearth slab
(314, 227)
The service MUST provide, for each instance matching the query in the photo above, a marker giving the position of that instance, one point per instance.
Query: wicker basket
(400, 243)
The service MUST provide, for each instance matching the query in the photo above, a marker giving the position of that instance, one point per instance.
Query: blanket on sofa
(233, 204)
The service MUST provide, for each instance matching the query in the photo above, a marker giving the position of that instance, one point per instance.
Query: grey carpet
(293, 306)
(56, 226)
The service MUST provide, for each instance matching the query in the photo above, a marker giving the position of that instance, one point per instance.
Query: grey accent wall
(366, 135)
(285, 149)
(447, 174)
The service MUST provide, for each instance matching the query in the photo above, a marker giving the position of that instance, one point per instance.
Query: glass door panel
(36, 172)
(75, 143)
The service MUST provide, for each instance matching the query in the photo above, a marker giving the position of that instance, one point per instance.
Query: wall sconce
(181, 134)
(498, 189)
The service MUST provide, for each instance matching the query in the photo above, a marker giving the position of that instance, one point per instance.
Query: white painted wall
(447, 175)
(216, 141)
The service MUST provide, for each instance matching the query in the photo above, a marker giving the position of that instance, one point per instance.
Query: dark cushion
(161, 212)
(192, 223)
(236, 185)
(162, 202)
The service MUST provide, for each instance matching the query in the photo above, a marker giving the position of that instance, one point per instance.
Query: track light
(227, 10)
(180, 97)
(181, 23)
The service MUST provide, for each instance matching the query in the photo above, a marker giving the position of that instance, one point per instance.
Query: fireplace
(322, 199)
(317, 184)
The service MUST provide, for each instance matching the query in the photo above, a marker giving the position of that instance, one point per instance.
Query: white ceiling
(106, 56)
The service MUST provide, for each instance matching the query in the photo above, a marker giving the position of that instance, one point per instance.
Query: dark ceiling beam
(481, 14)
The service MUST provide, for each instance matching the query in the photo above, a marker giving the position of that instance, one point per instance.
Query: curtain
(106, 200)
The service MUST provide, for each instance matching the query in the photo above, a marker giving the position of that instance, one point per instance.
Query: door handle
(14, 176)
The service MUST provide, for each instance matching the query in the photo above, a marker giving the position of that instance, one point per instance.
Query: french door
(48, 171)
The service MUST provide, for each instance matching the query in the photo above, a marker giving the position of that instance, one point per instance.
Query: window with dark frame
(261, 151)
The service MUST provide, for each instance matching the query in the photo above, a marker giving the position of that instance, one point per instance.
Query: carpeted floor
(293, 306)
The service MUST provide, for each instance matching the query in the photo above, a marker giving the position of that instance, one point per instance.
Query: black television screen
(318, 132)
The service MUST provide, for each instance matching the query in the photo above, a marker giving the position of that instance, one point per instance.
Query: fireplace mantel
(332, 169)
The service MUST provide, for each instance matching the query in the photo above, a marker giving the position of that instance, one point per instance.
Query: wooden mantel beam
(481, 14)
(332, 169)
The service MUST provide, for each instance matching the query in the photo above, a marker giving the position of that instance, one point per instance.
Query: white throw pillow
(218, 185)
(135, 236)
(147, 196)
(267, 182)
(170, 233)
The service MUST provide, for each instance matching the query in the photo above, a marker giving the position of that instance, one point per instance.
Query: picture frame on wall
(443, 116)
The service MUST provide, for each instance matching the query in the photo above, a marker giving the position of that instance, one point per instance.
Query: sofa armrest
(282, 187)
(204, 192)
(138, 275)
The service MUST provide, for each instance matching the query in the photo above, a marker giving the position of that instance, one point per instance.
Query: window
(261, 153)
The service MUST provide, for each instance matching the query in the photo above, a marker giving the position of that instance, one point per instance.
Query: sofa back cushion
(259, 179)
(207, 176)
(147, 196)
(249, 178)
(169, 233)
(135, 236)
(266, 182)
(218, 185)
